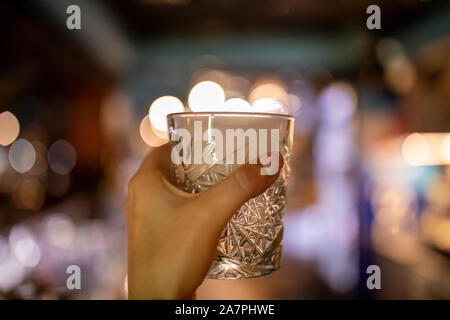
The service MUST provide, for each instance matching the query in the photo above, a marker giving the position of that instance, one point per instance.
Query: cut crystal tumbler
(207, 147)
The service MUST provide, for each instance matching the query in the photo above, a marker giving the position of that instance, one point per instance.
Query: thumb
(221, 201)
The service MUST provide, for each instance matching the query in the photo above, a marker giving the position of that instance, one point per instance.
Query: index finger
(158, 158)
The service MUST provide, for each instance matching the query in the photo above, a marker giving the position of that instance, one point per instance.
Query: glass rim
(231, 113)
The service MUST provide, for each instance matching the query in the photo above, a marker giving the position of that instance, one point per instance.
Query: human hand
(172, 234)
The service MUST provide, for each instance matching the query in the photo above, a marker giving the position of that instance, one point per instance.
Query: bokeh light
(338, 103)
(268, 105)
(415, 149)
(12, 272)
(400, 74)
(267, 90)
(388, 48)
(206, 96)
(62, 157)
(148, 135)
(445, 148)
(159, 110)
(23, 245)
(22, 155)
(9, 128)
(60, 231)
(237, 105)
(293, 103)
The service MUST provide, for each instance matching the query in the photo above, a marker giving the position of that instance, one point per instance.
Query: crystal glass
(250, 245)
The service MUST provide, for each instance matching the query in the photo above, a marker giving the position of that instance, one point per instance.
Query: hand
(173, 235)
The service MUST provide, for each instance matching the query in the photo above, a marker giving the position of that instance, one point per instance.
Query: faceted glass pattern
(250, 245)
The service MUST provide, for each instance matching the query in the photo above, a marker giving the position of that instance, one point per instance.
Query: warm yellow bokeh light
(445, 148)
(9, 128)
(148, 135)
(415, 149)
(159, 110)
(237, 105)
(206, 96)
(268, 90)
(267, 105)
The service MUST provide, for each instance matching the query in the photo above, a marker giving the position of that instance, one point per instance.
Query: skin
(173, 235)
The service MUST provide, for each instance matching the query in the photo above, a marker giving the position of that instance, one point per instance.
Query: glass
(251, 243)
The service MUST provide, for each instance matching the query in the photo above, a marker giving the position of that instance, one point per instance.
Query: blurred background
(370, 177)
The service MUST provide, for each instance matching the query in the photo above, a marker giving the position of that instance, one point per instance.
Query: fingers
(217, 204)
(154, 168)
(153, 175)
(152, 178)
(158, 158)
(221, 201)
